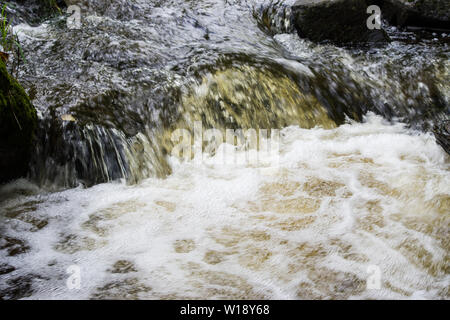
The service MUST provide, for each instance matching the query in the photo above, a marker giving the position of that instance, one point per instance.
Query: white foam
(211, 232)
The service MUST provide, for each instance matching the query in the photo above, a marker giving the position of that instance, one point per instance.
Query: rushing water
(345, 196)
(340, 201)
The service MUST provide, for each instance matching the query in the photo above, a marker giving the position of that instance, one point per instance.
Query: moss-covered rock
(18, 122)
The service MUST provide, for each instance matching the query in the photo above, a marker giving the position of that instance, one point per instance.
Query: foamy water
(341, 203)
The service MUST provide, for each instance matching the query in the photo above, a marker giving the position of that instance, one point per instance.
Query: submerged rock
(18, 121)
(6, 268)
(418, 13)
(345, 21)
(338, 21)
(442, 134)
(33, 12)
(13, 246)
(18, 288)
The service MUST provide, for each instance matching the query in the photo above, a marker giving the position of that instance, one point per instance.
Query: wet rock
(13, 246)
(17, 288)
(442, 134)
(26, 213)
(121, 9)
(18, 120)
(6, 268)
(33, 12)
(123, 266)
(106, 142)
(71, 153)
(127, 289)
(275, 17)
(73, 243)
(434, 14)
(338, 21)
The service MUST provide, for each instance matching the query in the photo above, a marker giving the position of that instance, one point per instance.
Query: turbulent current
(341, 200)
(356, 206)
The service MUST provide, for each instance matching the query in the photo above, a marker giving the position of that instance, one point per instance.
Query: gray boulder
(337, 21)
(418, 13)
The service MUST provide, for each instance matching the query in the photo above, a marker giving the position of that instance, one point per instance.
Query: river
(360, 187)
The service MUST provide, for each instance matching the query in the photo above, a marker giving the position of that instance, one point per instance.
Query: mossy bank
(18, 122)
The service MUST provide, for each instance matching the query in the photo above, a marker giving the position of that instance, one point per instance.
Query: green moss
(18, 122)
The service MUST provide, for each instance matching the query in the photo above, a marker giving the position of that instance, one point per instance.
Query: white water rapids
(341, 203)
